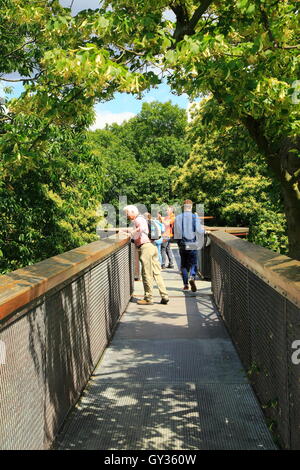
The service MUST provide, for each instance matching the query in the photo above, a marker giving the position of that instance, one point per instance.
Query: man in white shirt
(148, 256)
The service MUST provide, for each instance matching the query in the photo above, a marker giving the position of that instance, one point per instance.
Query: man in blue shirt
(187, 233)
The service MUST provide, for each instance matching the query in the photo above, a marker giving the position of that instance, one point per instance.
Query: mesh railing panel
(263, 324)
(293, 334)
(269, 351)
(221, 280)
(204, 260)
(22, 383)
(99, 308)
(239, 310)
(216, 275)
(68, 357)
(52, 349)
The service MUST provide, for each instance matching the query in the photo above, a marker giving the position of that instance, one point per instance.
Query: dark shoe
(193, 285)
(163, 266)
(164, 301)
(171, 266)
(145, 302)
(186, 287)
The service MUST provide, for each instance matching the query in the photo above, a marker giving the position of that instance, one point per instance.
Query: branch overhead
(184, 24)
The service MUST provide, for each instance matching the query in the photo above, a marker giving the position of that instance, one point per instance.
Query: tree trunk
(290, 188)
(285, 166)
(291, 200)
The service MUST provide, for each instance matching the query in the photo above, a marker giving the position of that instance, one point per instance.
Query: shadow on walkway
(170, 380)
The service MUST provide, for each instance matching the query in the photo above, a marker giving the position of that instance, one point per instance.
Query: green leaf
(242, 4)
(170, 57)
(251, 84)
(102, 22)
(250, 9)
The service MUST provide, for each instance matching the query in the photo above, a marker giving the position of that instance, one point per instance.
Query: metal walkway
(170, 380)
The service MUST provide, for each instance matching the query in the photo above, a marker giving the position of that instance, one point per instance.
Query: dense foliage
(242, 54)
(139, 154)
(228, 174)
(50, 206)
(245, 53)
(50, 185)
(222, 169)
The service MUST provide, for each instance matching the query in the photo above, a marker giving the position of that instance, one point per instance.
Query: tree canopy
(139, 154)
(241, 54)
(245, 53)
(228, 173)
(223, 169)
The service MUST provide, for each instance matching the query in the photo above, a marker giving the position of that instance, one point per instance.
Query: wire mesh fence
(53, 346)
(264, 324)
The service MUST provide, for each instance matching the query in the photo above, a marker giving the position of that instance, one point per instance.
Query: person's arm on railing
(140, 228)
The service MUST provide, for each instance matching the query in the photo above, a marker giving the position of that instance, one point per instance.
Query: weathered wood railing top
(22, 286)
(279, 271)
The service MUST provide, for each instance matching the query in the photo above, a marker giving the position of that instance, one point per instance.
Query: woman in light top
(157, 229)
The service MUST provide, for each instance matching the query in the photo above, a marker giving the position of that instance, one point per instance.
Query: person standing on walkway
(168, 235)
(148, 256)
(157, 228)
(187, 231)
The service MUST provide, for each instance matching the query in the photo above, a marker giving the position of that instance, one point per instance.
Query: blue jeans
(166, 253)
(188, 264)
(158, 246)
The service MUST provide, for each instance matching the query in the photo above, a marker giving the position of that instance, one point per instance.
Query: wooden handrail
(233, 230)
(22, 286)
(279, 271)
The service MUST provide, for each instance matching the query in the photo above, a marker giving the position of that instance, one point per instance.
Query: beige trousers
(151, 270)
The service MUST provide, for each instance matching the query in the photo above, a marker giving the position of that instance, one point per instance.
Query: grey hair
(131, 209)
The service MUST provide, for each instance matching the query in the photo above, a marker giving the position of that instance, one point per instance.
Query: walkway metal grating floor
(170, 380)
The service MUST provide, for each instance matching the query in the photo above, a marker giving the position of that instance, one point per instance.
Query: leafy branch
(184, 24)
(31, 79)
(18, 48)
